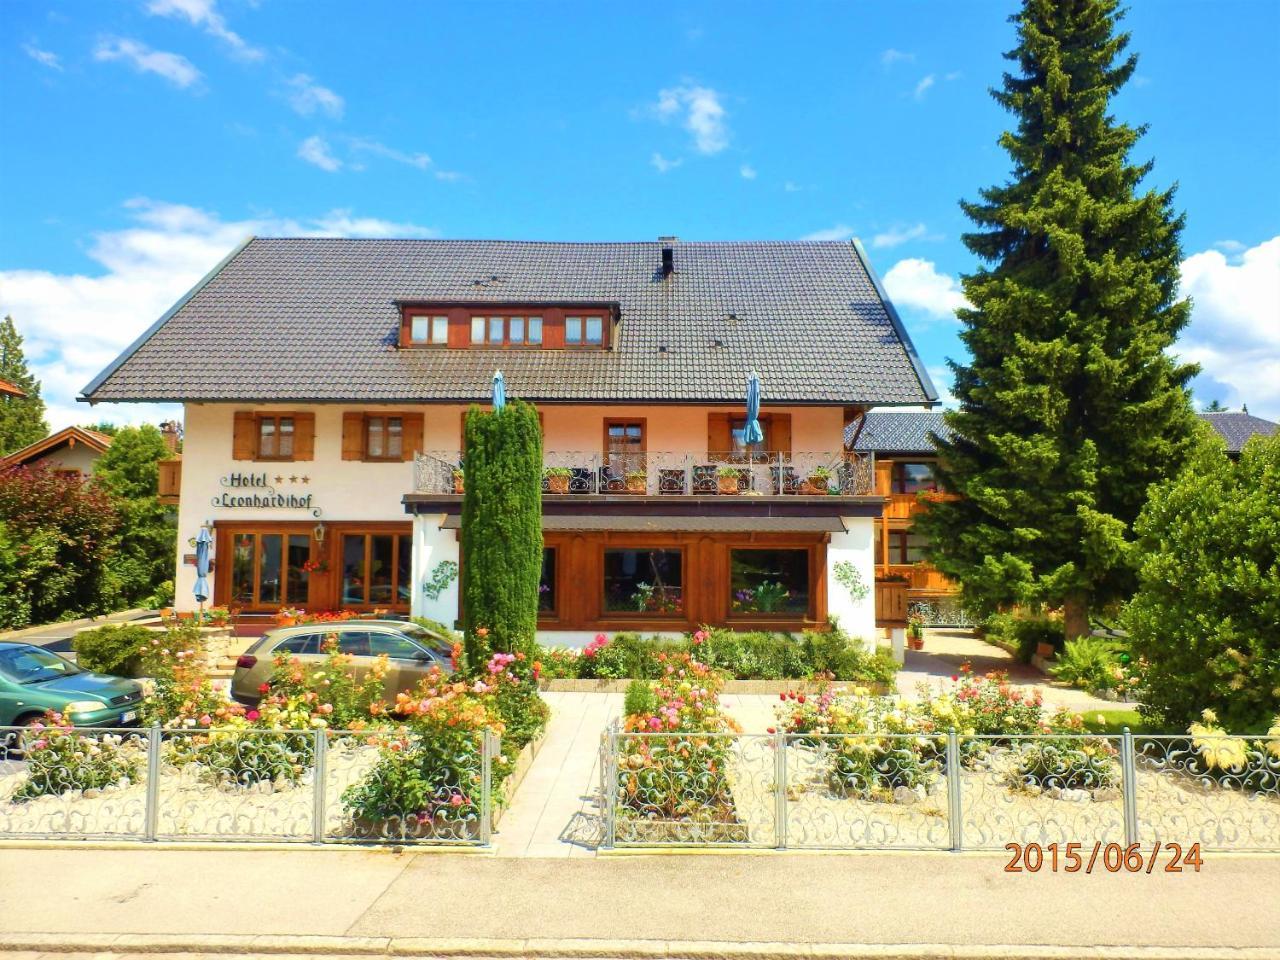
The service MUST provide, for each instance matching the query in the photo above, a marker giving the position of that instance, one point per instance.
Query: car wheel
(11, 740)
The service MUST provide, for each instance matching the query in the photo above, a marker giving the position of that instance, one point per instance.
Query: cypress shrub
(501, 530)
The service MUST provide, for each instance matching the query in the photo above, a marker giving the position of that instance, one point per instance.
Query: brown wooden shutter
(719, 435)
(353, 436)
(304, 436)
(884, 477)
(244, 437)
(780, 433)
(411, 435)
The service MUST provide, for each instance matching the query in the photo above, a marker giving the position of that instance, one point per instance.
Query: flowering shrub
(1253, 764)
(559, 663)
(183, 694)
(511, 679)
(986, 705)
(60, 760)
(1064, 762)
(329, 689)
(683, 777)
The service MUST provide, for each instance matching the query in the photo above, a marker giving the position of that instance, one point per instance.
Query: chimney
(172, 434)
(668, 255)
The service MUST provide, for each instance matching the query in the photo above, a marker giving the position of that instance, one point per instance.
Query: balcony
(654, 474)
(170, 483)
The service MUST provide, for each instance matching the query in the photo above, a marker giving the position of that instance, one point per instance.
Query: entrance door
(268, 569)
(624, 454)
(376, 570)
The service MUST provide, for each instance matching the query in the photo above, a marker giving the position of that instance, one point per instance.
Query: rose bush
(61, 760)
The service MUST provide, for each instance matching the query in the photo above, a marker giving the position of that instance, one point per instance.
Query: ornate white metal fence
(953, 792)
(303, 786)
(690, 473)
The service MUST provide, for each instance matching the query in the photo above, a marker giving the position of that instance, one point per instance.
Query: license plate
(129, 716)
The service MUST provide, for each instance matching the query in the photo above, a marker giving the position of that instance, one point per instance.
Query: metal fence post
(1129, 787)
(151, 813)
(610, 785)
(955, 814)
(319, 782)
(487, 749)
(780, 789)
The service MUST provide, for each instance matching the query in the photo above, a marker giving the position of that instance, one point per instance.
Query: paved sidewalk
(907, 898)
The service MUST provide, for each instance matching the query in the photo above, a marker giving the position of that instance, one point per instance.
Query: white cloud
(748, 171)
(1230, 246)
(662, 164)
(1234, 332)
(43, 57)
(917, 284)
(840, 231)
(306, 97)
(698, 109)
(75, 324)
(174, 67)
(892, 56)
(204, 13)
(792, 187)
(365, 145)
(450, 176)
(923, 86)
(896, 236)
(315, 150)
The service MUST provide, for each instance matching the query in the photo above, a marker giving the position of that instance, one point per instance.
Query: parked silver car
(411, 651)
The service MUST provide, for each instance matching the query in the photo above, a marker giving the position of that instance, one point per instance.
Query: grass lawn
(1114, 721)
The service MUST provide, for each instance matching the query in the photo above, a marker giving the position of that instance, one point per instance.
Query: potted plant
(915, 631)
(458, 478)
(557, 479)
(727, 479)
(637, 481)
(818, 481)
(287, 616)
(219, 616)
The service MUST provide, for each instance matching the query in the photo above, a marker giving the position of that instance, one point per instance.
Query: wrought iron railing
(948, 792)
(691, 473)
(307, 786)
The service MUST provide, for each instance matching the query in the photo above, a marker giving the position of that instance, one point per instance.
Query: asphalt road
(57, 636)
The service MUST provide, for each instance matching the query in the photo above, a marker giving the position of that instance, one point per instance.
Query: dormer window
(537, 326)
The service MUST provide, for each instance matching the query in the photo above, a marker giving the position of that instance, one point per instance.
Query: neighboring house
(325, 383)
(8, 389)
(904, 461)
(72, 451)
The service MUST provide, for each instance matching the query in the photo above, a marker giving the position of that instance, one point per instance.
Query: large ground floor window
(678, 581)
(269, 568)
(375, 569)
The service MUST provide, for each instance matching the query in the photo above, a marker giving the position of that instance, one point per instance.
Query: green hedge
(116, 650)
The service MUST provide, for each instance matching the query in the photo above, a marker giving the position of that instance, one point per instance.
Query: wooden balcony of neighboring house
(917, 578)
(674, 474)
(170, 480)
(903, 506)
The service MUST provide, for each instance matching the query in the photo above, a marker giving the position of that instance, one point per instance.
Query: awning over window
(667, 524)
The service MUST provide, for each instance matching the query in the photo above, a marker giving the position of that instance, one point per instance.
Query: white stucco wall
(66, 457)
(431, 547)
(856, 546)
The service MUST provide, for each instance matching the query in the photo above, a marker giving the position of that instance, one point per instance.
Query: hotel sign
(254, 491)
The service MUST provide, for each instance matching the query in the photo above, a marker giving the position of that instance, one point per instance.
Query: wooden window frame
(625, 615)
(258, 420)
(627, 422)
(553, 614)
(812, 563)
(552, 314)
(257, 532)
(896, 547)
(506, 343)
(431, 316)
(584, 316)
(367, 535)
(386, 419)
(897, 475)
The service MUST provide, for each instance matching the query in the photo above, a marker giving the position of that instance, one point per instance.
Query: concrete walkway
(861, 899)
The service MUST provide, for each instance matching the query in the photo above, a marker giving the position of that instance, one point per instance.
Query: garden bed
(762, 687)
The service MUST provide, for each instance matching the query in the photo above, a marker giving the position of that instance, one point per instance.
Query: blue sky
(144, 138)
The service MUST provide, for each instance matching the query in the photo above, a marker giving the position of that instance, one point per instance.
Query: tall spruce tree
(1069, 407)
(21, 418)
(501, 529)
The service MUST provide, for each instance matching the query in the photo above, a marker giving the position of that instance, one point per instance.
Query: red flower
(264, 688)
(954, 678)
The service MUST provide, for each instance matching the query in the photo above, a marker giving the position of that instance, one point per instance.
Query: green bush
(753, 655)
(1024, 632)
(1208, 602)
(834, 653)
(116, 650)
(640, 699)
(1088, 663)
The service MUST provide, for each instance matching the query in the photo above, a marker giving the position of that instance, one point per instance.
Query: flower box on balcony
(728, 480)
(637, 481)
(558, 479)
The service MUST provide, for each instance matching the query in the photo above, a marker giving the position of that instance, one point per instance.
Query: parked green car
(34, 680)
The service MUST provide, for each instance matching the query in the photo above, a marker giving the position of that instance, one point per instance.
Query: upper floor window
(913, 477)
(583, 330)
(383, 438)
(506, 331)
(430, 329)
(275, 438)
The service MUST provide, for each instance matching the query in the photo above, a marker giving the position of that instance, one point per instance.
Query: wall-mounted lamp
(318, 532)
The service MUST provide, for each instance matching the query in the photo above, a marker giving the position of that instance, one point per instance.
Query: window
(275, 438)
(906, 546)
(395, 647)
(913, 477)
(644, 582)
(513, 331)
(429, 329)
(547, 582)
(354, 642)
(738, 432)
(268, 569)
(302, 644)
(583, 330)
(384, 438)
(375, 570)
(769, 582)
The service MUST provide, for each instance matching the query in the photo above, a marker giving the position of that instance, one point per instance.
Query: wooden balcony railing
(170, 480)
(759, 473)
(916, 576)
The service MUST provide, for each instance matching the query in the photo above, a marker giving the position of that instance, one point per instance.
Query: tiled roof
(67, 436)
(894, 431)
(316, 319)
(901, 431)
(1237, 428)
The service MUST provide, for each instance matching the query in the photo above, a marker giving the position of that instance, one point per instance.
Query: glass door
(376, 570)
(268, 569)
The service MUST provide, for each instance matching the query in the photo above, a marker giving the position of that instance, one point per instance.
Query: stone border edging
(543, 949)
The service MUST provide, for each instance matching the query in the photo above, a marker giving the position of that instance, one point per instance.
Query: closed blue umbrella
(202, 565)
(753, 434)
(499, 391)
